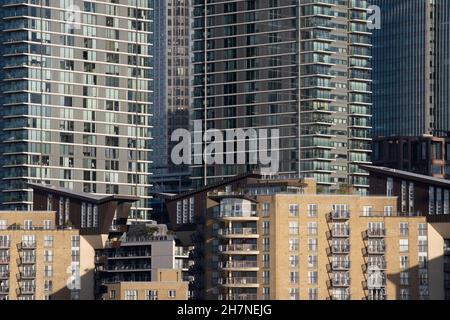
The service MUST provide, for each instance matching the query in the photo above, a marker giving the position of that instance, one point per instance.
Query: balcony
(239, 282)
(26, 290)
(340, 233)
(340, 215)
(26, 260)
(4, 290)
(375, 297)
(342, 297)
(5, 244)
(242, 215)
(128, 268)
(239, 265)
(239, 249)
(376, 265)
(4, 260)
(239, 296)
(340, 283)
(26, 275)
(340, 265)
(4, 275)
(340, 249)
(26, 245)
(239, 233)
(376, 249)
(376, 233)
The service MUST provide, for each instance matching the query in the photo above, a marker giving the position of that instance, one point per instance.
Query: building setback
(303, 67)
(75, 98)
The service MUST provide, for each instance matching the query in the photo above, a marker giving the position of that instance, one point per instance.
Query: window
(423, 246)
(404, 262)
(191, 210)
(266, 261)
(48, 271)
(404, 229)
(312, 210)
(47, 224)
(28, 224)
(266, 228)
(131, 295)
(422, 230)
(48, 256)
(293, 228)
(312, 294)
(112, 294)
(294, 293)
(179, 212)
(293, 210)
(89, 215)
(95, 216)
(411, 197)
(266, 244)
(312, 228)
(172, 293)
(438, 201)
(389, 187)
(388, 211)
(151, 295)
(293, 277)
(312, 277)
(367, 211)
(404, 245)
(83, 215)
(48, 241)
(423, 262)
(446, 201)
(266, 293)
(266, 277)
(404, 294)
(431, 200)
(293, 261)
(403, 198)
(293, 244)
(3, 224)
(404, 278)
(185, 211)
(312, 261)
(266, 209)
(312, 245)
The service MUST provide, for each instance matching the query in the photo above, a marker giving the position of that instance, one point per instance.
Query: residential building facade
(303, 67)
(276, 238)
(168, 285)
(40, 260)
(75, 98)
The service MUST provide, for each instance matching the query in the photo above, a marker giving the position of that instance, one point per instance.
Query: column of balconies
(360, 89)
(375, 266)
(339, 254)
(238, 267)
(26, 278)
(316, 25)
(4, 272)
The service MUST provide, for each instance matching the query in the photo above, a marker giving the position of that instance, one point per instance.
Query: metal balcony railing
(238, 232)
(239, 281)
(238, 247)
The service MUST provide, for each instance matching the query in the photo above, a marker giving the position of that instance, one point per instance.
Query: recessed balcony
(239, 266)
(239, 249)
(243, 215)
(239, 296)
(239, 233)
(240, 282)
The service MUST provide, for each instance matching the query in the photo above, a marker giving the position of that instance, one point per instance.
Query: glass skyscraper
(411, 68)
(75, 98)
(303, 67)
(172, 93)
